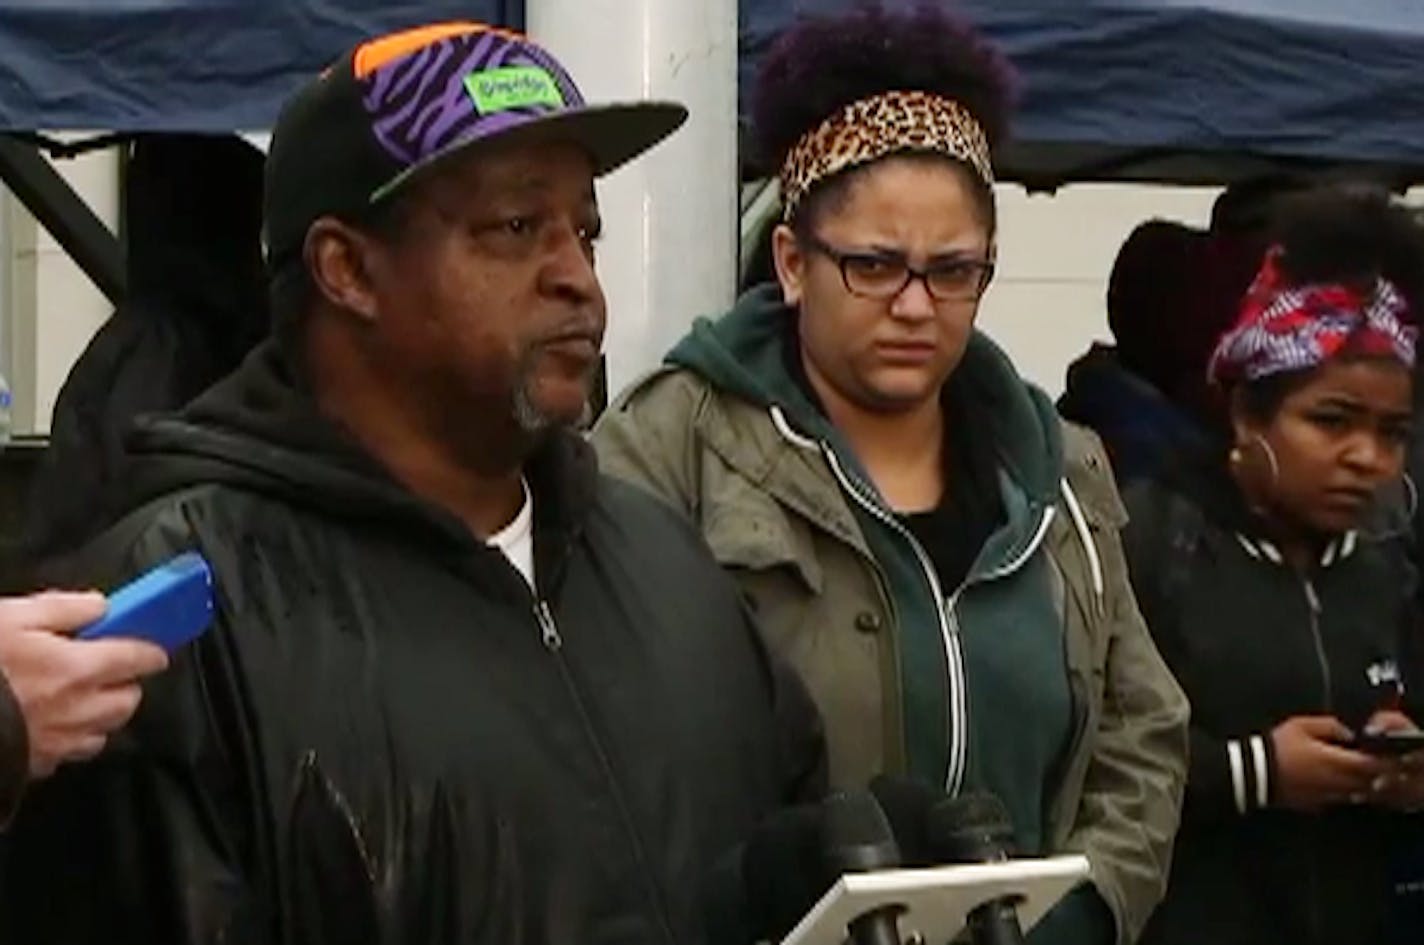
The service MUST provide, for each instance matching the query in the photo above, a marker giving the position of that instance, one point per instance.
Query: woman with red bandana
(1285, 615)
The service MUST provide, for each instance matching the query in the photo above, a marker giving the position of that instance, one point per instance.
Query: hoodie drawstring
(1090, 547)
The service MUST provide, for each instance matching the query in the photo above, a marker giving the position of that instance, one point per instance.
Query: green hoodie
(955, 644)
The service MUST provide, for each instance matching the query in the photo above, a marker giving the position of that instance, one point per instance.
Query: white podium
(937, 901)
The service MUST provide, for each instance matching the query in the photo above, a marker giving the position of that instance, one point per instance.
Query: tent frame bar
(64, 214)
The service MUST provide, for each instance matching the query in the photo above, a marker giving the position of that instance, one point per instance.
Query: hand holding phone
(1318, 764)
(1390, 744)
(72, 694)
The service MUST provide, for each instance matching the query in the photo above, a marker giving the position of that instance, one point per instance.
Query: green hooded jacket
(1035, 680)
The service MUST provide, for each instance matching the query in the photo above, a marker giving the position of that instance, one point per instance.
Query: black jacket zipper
(1312, 601)
(1312, 864)
(554, 643)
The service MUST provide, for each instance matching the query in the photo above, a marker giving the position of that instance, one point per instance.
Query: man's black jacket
(387, 737)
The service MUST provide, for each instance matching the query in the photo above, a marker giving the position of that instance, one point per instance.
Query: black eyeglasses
(884, 275)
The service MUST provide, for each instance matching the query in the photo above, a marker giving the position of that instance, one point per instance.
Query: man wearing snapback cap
(462, 688)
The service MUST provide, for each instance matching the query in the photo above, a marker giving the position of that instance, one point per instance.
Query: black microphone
(975, 828)
(907, 803)
(855, 838)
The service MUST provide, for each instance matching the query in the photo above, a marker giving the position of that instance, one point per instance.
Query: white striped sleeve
(1238, 774)
(1262, 771)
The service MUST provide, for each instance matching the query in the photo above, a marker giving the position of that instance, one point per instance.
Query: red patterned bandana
(1293, 328)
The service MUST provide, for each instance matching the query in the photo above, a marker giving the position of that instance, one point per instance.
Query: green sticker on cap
(499, 90)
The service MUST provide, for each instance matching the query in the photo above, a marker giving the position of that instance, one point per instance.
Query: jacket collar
(1202, 477)
(747, 352)
(260, 430)
(1336, 551)
(762, 445)
(751, 351)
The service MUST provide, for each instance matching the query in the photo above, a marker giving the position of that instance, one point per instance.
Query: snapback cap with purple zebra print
(394, 106)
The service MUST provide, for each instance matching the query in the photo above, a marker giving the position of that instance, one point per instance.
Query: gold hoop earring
(1270, 459)
(1237, 457)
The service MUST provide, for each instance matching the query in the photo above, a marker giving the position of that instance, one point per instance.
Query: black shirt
(954, 531)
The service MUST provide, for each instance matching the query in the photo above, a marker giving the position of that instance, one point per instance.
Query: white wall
(48, 308)
(1048, 299)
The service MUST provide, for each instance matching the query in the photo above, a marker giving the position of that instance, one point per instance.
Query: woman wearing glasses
(917, 532)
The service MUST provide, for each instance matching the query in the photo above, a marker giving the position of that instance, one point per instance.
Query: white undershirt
(516, 540)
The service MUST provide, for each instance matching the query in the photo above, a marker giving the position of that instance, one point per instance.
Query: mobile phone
(1390, 744)
(169, 606)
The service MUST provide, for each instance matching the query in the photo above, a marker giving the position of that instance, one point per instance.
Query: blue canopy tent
(1192, 91)
(155, 66)
(187, 65)
(1295, 80)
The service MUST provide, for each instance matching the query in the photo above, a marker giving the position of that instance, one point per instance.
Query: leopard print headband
(872, 128)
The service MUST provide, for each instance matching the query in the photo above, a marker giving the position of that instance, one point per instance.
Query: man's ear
(790, 264)
(339, 258)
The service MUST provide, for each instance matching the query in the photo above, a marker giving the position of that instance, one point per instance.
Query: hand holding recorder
(71, 694)
(74, 660)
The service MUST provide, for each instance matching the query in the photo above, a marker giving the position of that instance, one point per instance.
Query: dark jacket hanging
(196, 306)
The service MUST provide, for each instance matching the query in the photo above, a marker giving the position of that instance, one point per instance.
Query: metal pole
(670, 218)
(65, 215)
